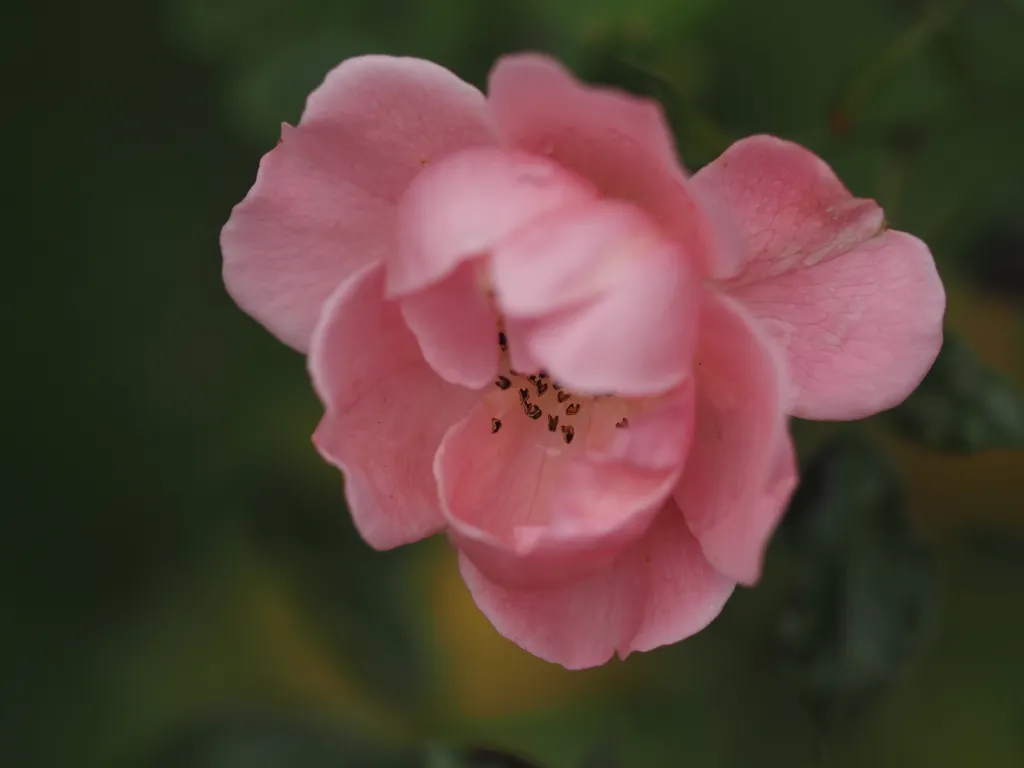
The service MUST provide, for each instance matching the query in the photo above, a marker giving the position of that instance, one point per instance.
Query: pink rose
(532, 330)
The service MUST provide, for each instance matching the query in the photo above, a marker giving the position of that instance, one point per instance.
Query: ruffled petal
(787, 204)
(323, 203)
(620, 142)
(616, 306)
(386, 412)
(860, 330)
(456, 324)
(735, 486)
(659, 591)
(858, 308)
(530, 508)
(458, 209)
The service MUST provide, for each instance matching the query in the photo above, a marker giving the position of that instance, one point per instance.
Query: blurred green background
(183, 586)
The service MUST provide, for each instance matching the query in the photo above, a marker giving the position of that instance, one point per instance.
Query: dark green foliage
(360, 599)
(865, 592)
(275, 742)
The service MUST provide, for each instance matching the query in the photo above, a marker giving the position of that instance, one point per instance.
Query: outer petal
(628, 302)
(859, 309)
(530, 510)
(621, 142)
(861, 330)
(323, 202)
(386, 411)
(740, 473)
(684, 592)
(787, 203)
(459, 208)
(659, 591)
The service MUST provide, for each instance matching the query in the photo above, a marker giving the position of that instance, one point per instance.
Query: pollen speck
(568, 433)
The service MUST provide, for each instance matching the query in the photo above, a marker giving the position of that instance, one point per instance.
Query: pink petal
(859, 309)
(530, 510)
(787, 203)
(579, 624)
(735, 486)
(684, 593)
(620, 142)
(861, 330)
(324, 199)
(456, 326)
(459, 208)
(386, 411)
(629, 302)
(659, 591)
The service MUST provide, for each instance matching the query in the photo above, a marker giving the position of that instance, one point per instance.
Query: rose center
(552, 406)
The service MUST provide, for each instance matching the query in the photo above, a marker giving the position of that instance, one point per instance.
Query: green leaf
(962, 406)
(864, 595)
(274, 742)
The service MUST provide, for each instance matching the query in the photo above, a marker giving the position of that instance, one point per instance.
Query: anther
(552, 423)
(563, 396)
(568, 433)
(524, 396)
(572, 409)
(502, 341)
(495, 425)
(623, 423)
(503, 382)
(541, 387)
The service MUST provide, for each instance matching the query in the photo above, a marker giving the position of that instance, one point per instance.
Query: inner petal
(451, 321)
(608, 302)
(539, 485)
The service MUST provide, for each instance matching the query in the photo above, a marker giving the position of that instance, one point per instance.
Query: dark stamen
(624, 423)
(503, 382)
(495, 425)
(572, 410)
(563, 396)
(568, 433)
(534, 411)
(502, 340)
(541, 387)
(552, 423)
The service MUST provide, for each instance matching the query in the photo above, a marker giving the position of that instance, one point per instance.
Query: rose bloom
(531, 329)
